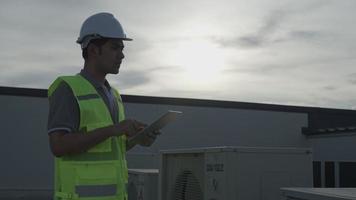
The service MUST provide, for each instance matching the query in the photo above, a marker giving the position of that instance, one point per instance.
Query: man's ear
(93, 50)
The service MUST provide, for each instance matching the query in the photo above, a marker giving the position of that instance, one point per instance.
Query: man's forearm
(74, 143)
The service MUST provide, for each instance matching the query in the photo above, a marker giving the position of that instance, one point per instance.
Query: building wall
(334, 160)
(339, 147)
(26, 160)
(26, 154)
(206, 126)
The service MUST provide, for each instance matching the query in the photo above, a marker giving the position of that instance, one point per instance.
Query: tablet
(161, 122)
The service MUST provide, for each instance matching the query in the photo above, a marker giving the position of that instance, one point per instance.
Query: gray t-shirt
(64, 110)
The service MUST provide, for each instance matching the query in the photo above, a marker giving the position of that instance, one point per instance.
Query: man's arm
(63, 143)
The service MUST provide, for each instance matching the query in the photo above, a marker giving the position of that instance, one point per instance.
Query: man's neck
(94, 73)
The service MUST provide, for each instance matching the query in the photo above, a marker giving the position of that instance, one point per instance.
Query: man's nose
(121, 55)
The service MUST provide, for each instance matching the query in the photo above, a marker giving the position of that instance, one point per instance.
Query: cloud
(137, 47)
(249, 41)
(130, 79)
(273, 29)
(30, 78)
(263, 40)
(351, 78)
(186, 93)
(302, 63)
(167, 68)
(261, 35)
(41, 18)
(260, 69)
(305, 34)
(330, 88)
(272, 22)
(285, 58)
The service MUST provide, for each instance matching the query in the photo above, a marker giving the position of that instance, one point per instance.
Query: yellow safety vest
(101, 172)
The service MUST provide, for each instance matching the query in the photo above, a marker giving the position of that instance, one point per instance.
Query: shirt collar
(93, 81)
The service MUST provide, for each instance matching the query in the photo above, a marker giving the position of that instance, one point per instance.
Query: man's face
(110, 57)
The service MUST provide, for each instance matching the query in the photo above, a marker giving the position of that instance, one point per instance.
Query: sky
(286, 52)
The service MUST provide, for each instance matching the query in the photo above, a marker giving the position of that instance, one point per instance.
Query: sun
(201, 61)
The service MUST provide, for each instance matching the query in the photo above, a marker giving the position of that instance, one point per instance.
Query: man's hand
(128, 127)
(149, 138)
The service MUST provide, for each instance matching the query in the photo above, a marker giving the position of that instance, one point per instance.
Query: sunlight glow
(201, 62)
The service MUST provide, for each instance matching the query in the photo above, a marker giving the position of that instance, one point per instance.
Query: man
(88, 132)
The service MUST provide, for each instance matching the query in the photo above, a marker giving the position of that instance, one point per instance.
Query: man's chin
(115, 71)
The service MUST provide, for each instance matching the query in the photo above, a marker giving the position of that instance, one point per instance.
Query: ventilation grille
(187, 187)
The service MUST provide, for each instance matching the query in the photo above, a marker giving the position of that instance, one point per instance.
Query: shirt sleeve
(63, 110)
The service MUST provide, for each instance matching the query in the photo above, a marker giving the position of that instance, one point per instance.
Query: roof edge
(42, 93)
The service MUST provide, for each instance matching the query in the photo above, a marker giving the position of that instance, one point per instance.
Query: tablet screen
(161, 122)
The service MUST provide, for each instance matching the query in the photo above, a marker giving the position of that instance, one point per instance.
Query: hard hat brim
(127, 39)
(80, 40)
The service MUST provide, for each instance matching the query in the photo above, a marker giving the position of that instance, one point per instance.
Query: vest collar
(93, 81)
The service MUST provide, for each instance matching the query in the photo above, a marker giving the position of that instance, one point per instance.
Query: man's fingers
(157, 132)
(139, 125)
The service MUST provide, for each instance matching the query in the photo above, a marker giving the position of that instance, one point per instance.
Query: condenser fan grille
(187, 187)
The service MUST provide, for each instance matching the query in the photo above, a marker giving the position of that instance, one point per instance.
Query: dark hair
(97, 42)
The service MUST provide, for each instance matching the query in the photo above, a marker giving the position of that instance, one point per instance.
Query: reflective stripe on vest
(101, 172)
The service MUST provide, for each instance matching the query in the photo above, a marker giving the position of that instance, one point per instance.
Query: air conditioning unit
(233, 173)
(318, 193)
(143, 184)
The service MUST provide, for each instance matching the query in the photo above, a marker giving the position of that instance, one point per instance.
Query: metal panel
(143, 184)
(244, 173)
(318, 193)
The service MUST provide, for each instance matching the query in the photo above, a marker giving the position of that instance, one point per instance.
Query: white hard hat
(100, 25)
